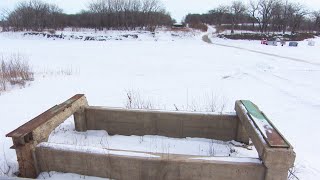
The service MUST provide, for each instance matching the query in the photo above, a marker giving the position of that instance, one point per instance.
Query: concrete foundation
(26, 137)
(34, 159)
(276, 160)
(170, 124)
(164, 167)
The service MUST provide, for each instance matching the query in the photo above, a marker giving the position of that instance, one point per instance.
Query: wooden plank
(270, 134)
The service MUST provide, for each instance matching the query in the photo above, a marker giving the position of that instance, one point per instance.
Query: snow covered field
(170, 71)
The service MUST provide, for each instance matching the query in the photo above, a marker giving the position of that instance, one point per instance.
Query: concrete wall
(277, 160)
(170, 124)
(166, 167)
(33, 159)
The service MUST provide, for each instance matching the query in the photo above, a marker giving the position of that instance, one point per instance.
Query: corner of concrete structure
(242, 135)
(26, 137)
(277, 161)
(279, 157)
(80, 120)
(27, 162)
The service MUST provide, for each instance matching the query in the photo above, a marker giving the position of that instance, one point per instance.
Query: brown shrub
(14, 70)
(52, 31)
(200, 26)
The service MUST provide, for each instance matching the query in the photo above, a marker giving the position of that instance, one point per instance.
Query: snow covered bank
(183, 72)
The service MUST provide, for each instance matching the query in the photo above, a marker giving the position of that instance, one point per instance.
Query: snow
(92, 150)
(80, 34)
(230, 159)
(304, 52)
(65, 134)
(181, 71)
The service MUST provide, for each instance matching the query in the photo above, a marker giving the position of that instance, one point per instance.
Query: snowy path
(270, 54)
(206, 39)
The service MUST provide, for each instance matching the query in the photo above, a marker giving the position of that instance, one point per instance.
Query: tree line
(101, 14)
(262, 15)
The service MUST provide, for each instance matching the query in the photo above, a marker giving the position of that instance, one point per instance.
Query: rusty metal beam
(28, 127)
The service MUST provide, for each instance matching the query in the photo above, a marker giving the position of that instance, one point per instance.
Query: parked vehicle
(264, 41)
(272, 43)
(269, 42)
(311, 43)
(293, 44)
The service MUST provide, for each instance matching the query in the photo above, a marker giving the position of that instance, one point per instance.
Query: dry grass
(208, 103)
(59, 71)
(294, 172)
(183, 29)
(220, 29)
(134, 101)
(199, 26)
(14, 70)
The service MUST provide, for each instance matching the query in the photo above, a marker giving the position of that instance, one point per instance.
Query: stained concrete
(166, 167)
(25, 145)
(33, 159)
(170, 124)
(277, 160)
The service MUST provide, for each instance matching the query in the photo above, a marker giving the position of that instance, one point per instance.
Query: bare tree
(285, 16)
(297, 12)
(129, 14)
(270, 15)
(262, 12)
(34, 15)
(4, 14)
(237, 9)
(253, 11)
(220, 13)
(316, 20)
(110, 14)
(266, 8)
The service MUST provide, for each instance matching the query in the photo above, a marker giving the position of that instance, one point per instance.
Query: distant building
(178, 25)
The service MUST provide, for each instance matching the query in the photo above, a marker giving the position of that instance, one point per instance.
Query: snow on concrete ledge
(230, 159)
(93, 150)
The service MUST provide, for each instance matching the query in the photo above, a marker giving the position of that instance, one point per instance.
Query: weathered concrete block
(80, 120)
(242, 135)
(163, 167)
(26, 137)
(277, 160)
(34, 159)
(171, 124)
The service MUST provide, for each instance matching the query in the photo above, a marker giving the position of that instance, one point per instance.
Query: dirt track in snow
(206, 39)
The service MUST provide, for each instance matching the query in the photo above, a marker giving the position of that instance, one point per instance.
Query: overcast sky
(177, 8)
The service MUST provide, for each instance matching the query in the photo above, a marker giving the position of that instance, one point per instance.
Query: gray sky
(177, 8)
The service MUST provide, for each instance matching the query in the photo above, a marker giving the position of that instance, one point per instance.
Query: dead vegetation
(14, 71)
(210, 102)
(134, 101)
(199, 26)
(293, 173)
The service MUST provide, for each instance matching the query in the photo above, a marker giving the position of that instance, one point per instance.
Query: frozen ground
(65, 134)
(172, 71)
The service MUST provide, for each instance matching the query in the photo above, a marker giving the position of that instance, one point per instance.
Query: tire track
(206, 39)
